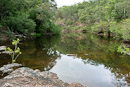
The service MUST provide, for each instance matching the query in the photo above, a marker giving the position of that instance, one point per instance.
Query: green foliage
(20, 24)
(16, 52)
(101, 26)
(55, 29)
(123, 50)
(28, 16)
(109, 16)
(43, 16)
(122, 29)
(69, 13)
(38, 35)
(10, 34)
(12, 7)
(68, 22)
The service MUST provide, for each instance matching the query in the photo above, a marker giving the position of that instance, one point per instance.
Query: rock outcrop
(26, 77)
(9, 67)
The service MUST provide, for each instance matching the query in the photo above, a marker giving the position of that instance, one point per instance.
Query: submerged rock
(26, 77)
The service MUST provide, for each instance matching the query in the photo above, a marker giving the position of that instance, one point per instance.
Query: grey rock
(26, 77)
(9, 67)
(2, 48)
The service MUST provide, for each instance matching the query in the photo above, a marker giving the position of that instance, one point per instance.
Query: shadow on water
(93, 61)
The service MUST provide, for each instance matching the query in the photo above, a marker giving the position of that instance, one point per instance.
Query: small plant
(14, 52)
(124, 50)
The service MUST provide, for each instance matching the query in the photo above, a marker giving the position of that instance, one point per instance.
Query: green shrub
(125, 29)
(43, 23)
(68, 22)
(100, 26)
(20, 24)
(121, 29)
(56, 29)
(123, 50)
(28, 16)
(115, 29)
(10, 34)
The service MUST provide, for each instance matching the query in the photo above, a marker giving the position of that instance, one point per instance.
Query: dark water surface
(87, 59)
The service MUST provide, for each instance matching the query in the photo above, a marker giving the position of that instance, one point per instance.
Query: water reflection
(75, 70)
(96, 62)
(39, 53)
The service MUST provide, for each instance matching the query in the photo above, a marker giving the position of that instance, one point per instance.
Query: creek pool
(90, 60)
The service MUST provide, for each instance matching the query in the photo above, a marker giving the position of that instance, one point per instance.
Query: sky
(61, 3)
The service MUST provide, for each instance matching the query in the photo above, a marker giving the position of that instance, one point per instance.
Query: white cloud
(61, 3)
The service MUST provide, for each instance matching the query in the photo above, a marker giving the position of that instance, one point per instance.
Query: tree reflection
(40, 53)
(96, 51)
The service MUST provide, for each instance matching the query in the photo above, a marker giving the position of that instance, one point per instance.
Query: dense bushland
(109, 17)
(28, 17)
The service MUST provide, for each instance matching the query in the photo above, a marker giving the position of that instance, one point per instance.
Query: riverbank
(26, 77)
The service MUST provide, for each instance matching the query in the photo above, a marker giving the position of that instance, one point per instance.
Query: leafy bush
(121, 29)
(68, 22)
(125, 29)
(28, 16)
(43, 23)
(124, 50)
(100, 26)
(10, 34)
(20, 24)
(115, 29)
(55, 29)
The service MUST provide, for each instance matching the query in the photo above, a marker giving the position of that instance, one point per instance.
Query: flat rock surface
(26, 77)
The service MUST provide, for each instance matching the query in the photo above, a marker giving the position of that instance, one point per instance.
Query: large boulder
(26, 77)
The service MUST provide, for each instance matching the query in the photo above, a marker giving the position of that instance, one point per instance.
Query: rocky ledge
(26, 77)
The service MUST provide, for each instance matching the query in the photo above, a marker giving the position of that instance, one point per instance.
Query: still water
(83, 58)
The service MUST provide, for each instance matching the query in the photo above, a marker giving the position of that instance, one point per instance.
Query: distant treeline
(109, 17)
